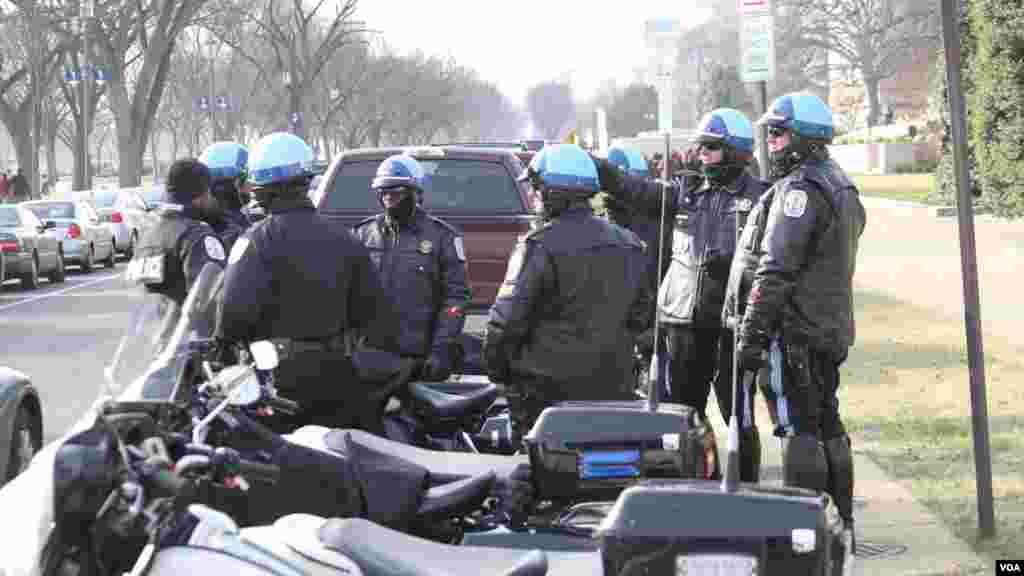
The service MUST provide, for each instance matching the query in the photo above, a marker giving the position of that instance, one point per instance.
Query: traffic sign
(222, 102)
(757, 41)
(203, 103)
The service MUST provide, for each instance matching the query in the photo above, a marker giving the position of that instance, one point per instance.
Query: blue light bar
(609, 464)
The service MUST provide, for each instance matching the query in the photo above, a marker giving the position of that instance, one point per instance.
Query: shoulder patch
(460, 250)
(214, 248)
(794, 204)
(238, 250)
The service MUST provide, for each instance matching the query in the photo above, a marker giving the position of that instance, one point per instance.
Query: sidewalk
(896, 536)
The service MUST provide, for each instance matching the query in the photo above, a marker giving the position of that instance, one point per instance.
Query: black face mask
(402, 212)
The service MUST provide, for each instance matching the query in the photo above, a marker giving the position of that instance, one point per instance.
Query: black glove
(437, 368)
(751, 356)
(645, 342)
(515, 494)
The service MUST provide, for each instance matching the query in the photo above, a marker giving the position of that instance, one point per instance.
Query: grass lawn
(906, 400)
(908, 187)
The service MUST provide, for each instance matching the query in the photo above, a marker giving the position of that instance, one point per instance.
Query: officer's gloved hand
(751, 356)
(515, 493)
(645, 342)
(437, 367)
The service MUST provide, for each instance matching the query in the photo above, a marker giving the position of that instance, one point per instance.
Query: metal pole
(762, 132)
(969, 269)
(86, 164)
(213, 118)
(34, 47)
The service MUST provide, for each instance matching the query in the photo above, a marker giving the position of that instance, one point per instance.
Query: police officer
(305, 283)
(690, 297)
(228, 165)
(182, 243)
(793, 275)
(573, 292)
(422, 265)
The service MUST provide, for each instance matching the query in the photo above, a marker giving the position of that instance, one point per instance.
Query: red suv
(472, 189)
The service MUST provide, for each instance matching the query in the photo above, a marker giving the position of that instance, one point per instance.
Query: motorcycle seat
(444, 467)
(456, 498)
(380, 550)
(442, 405)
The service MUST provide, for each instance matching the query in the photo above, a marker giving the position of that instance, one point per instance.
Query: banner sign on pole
(757, 40)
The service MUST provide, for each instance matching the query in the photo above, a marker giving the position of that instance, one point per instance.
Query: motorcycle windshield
(152, 356)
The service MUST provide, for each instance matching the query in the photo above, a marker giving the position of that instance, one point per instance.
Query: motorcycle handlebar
(268, 473)
(283, 405)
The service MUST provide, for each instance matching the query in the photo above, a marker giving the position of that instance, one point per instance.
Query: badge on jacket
(744, 205)
(426, 247)
(795, 203)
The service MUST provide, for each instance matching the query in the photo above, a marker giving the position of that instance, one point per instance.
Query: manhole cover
(868, 550)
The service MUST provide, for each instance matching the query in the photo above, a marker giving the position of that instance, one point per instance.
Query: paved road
(62, 335)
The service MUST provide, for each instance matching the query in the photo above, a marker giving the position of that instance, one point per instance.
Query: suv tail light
(74, 231)
(8, 245)
(116, 217)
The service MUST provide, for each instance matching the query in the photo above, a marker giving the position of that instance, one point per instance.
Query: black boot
(803, 463)
(840, 477)
(750, 456)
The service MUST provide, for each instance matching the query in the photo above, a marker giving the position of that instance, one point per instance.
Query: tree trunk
(51, 160)
(79, 181)
(871, 90)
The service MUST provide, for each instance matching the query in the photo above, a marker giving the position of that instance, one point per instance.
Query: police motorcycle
(167, 435)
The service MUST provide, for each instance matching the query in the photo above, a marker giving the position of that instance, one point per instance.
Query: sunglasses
(777, 131)
(711, 146)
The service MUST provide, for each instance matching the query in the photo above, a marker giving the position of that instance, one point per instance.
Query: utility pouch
(798, 364)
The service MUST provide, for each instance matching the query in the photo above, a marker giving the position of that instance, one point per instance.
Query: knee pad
(840, 475)
(803, 463)
(750, 455)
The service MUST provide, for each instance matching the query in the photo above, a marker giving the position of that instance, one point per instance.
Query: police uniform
(422, 267)
(305, 283)
(691, 294)
(793, 275)
(170, 255)
(559, 329)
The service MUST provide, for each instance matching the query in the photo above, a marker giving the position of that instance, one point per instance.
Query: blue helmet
(627, 160)
(400, 170)
(729, 127)
(278, 158)
(226, 160)
(564, 167)
(803, 113)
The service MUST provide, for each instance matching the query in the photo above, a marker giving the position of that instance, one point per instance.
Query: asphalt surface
(61, 336)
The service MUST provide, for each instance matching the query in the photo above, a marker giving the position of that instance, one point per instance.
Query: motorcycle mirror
(265, 354)
(247, 392)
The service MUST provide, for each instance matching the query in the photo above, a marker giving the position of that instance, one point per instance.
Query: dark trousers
(326, 386)
(699, 358)
(802, 392)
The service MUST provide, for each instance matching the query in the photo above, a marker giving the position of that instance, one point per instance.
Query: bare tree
(633, 111)
(871, 36)
(301, 42)
(550, 105)
(135, 41)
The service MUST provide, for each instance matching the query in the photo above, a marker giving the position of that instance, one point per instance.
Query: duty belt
(287, 347)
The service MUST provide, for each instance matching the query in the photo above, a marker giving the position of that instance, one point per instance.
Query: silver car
(125, 214)
(84, 238)
(21, 423)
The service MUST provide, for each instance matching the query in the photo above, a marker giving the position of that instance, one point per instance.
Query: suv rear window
(451, 184)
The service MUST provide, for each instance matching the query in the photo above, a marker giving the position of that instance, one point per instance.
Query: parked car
(473, 189)
(125, 214)
(153, 196)
(83, 237)
(21, 423)
(27, 249)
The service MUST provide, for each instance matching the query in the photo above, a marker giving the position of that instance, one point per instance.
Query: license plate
(145, 270)
(716, 565)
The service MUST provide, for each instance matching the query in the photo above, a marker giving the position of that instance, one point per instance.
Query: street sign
(757, 41)
(203, 103)
(222, 102)
(72, 76)
(100, 74)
